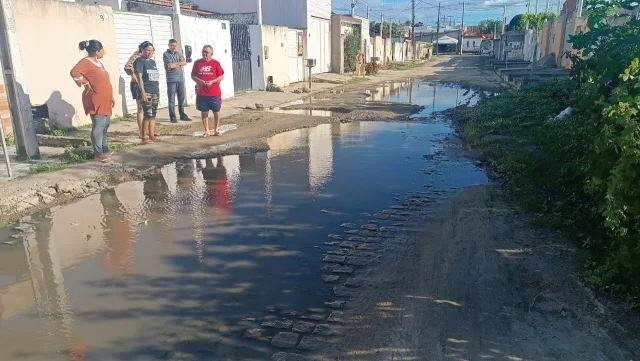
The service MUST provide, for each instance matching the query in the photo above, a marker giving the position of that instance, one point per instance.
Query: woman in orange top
(97, 97)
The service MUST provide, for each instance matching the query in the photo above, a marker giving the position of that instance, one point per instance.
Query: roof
(447, 40)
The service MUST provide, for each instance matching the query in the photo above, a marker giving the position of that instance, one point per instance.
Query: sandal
(206, 135)
(217, 134)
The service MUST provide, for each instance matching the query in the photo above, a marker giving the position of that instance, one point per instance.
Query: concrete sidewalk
(236, 104)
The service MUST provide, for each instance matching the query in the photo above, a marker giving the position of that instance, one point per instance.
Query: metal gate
(241, 58)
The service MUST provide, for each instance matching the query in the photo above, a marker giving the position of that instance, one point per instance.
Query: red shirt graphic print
(207, 71)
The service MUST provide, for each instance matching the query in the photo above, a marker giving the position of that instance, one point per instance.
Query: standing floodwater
(179, 265)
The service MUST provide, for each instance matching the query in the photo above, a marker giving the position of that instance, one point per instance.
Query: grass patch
(74, 156)
(46, 167)
(10, 139)
(402, 66)
(357, 80)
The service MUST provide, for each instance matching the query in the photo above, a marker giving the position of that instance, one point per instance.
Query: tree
(374, 29)
(488, 26)
(351, 45)
(516, 23)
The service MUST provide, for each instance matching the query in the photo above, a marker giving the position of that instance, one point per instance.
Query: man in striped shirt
(173, 61)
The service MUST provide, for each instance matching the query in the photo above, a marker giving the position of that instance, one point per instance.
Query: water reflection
(434, 97)
(202, 244)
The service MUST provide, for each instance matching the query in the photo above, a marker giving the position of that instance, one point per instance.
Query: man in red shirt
(207, 73)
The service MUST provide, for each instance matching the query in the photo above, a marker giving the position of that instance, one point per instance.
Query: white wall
(277, 65)
(257, 58)
(228, 6)
(198, 32)
(319, 8)
(470, 40)
(290, 13)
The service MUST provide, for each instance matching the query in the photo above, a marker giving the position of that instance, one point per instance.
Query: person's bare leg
(205, 123)
(216, 123)
(145, 132)
(152, 130)
(140, 119)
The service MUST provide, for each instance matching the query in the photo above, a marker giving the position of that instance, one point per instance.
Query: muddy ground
(480, 283)
(476, 283)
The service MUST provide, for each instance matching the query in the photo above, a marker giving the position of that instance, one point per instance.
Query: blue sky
(427, 10)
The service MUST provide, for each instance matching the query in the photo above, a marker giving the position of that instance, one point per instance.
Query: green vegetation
(580, 173)
(357, 80)
(351, 46)
(73, 155)
(10, 139)
(46, 167)
(402, 66)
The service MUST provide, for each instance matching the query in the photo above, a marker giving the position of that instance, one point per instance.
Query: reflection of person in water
(185, 173)
(156, 194)
(216, 180)
(117, 233)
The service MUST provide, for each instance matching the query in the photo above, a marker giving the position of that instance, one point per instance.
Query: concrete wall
(274, 50)
(388, 49)
(378, 49)
(228, 6)
(54, 28)
(337, 45)
(319, 8)
(529, 46)
(468, 43)
(198, 32)
(114, 4)
(290, 13)
(557, 43)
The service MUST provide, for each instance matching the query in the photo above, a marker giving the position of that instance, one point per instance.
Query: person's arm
(220, 77)
(77, 74)
(182, 61)
(138, 68)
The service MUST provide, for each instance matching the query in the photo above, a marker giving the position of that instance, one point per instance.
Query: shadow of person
(61, 112)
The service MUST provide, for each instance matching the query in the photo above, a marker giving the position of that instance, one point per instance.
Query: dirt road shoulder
(479, 283)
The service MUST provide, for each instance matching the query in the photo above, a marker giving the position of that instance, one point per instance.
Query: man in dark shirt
(149, 80)
(173, 62)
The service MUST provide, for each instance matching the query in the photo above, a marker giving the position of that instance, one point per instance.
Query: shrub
(351, 46)
(371, 68)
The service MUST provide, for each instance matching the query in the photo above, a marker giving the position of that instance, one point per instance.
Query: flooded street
(180, 265)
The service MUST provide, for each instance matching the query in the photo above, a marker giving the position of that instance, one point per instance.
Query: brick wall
(4, 112)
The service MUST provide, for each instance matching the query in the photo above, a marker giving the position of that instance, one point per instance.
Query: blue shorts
(205, 104)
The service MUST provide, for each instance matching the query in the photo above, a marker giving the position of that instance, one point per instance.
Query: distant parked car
(485, 51)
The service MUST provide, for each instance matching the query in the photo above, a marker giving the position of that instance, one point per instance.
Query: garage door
(131, 30)
(296, 66)
(319, 43)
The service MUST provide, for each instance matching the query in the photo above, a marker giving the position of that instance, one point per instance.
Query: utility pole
(368, 10)
(413, 29)
(381, 24)
(559, 6)
(537, 6)
(438, 30)
(502, 39)
(15, 83)
(546, 9)
(462, 29)
(353, 7)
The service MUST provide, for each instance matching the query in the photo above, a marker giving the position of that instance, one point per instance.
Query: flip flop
(217, 134)
(206, 135)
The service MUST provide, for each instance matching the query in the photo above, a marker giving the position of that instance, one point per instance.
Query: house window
(474, 43)
(467, 43)
(224, 25)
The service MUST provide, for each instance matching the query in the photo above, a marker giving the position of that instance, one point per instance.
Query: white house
(313, 17)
